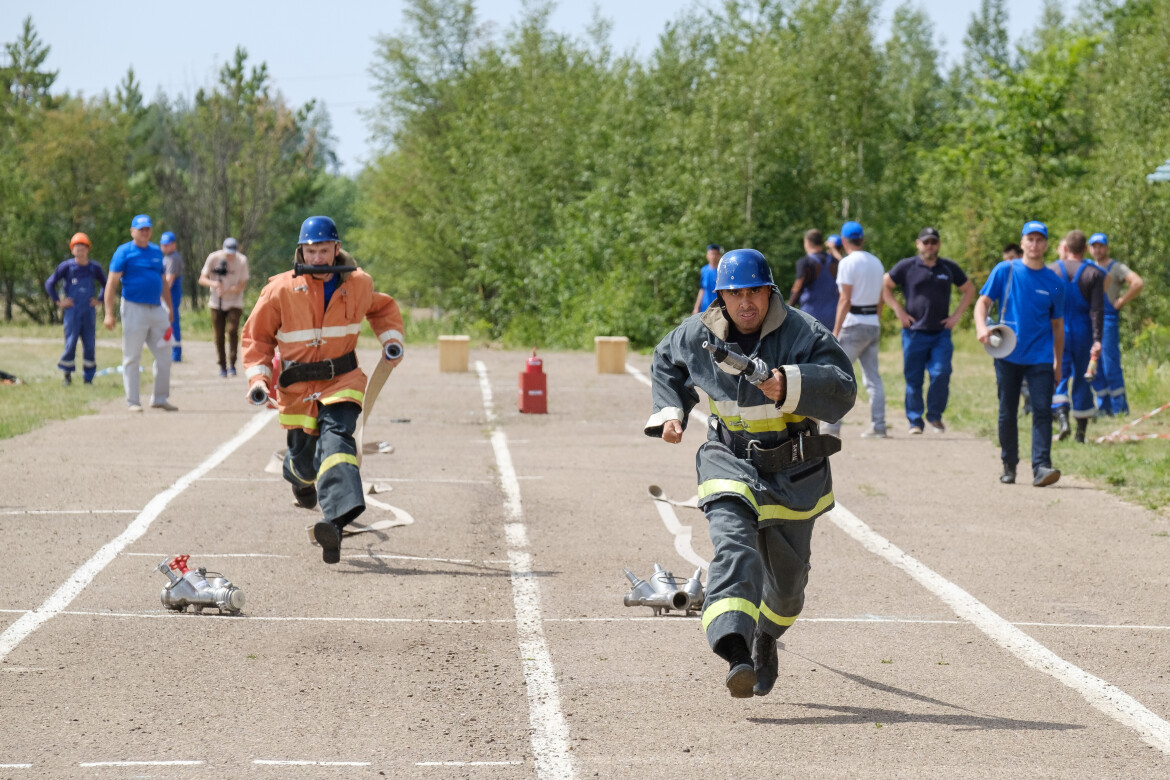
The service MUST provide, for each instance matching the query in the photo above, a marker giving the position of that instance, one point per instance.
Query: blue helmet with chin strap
(317, 230)
(743, 268)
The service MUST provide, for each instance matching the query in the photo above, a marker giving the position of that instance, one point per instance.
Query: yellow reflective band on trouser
(729, 605)
(299, 420)
(752, 419)
(333, 460)
(298, 477)
(780, 621)
(343, 395)
(767, 511)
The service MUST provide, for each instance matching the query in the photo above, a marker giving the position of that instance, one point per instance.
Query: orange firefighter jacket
(291, 315)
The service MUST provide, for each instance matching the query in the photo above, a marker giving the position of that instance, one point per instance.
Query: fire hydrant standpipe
(198, 588)
(533, 387)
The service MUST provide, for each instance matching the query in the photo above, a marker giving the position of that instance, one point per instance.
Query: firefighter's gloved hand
(672, 432)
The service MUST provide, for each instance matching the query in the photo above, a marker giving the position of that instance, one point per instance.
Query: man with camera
(226, 273)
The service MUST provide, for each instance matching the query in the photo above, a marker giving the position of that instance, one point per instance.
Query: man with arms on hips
(763, 470)
(816, 281)
(315, 319)
(926, 280)
(857, 324)
(226, 273)
(137, 267)
(707, 279)
(1109, 383)
(173, 281)
(1084, 323)
(1031, 299)
(84, 280)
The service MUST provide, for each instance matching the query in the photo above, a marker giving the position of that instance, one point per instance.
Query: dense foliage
(236, 160)
(549, 189)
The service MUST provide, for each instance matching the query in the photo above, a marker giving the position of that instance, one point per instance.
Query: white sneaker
(873, 432)
(915, 430)
(134, 408)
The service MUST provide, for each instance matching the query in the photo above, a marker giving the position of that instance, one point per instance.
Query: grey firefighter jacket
(820, 386)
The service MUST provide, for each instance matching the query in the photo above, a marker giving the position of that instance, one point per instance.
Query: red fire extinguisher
(533, 387)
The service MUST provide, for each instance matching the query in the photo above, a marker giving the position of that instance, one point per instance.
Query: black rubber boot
(1065, 430)
(1082, 426)
(766, 662)
(305, 496)
(741, 678)
(329, 537)
(1008, 477)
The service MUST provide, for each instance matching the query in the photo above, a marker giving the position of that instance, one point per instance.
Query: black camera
(221, 269)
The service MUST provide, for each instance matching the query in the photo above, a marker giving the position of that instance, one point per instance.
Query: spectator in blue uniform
(707, 278)
(1084, 322)
(1031, 297)
(137, 266)
(926, 281)
(1109, 383)
(173, 281)
(816, 281)
(84, 282)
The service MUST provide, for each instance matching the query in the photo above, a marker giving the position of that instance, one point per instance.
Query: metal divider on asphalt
(1103, 696)
(550, 731)
(72, 587)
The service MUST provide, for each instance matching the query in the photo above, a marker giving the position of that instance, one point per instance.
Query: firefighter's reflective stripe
(777, 619)
(258, 371)
(305, 421)
(729, 605)
(343, 395)
(753, 419)
(333, 460)
(314, 334)
(767, 511)
(293, 470)
(390, 335)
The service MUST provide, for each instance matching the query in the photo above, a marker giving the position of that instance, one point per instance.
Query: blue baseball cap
(167, 238)
(716, 247)
(1034, 227)
(834, 240)
(852, 231)
(1099, 238)
(141, 221)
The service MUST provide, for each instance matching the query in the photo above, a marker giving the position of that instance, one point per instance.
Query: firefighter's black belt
(292, 372)
(801, 447)
(863, 309)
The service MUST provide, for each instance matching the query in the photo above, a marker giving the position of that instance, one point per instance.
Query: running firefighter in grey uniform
(763, 471)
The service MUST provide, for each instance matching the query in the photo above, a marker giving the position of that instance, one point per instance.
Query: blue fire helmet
(317, 230)
(743, 268)
(167, 238)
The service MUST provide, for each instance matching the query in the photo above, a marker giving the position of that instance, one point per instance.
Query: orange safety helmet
(79, 238)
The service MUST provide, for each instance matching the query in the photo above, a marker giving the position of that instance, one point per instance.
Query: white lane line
(293, 762)
(77, 582)
(550, 731)
(69, 511)
(1105, 697)
(15, 766)
(92, 764)
(242, 479)
(468, 763)
(161, 556)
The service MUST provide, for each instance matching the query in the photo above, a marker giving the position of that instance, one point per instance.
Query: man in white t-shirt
(858, 323)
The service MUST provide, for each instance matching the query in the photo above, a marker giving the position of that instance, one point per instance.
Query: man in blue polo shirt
(926, 280)
(707, 279)
(137, 266)
(1031, 297)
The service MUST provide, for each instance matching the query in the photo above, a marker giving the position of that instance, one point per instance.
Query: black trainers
(1008, 477)
(1045, 476)
(305, 496)
(765, 661)
(66, 381)
(329, 537)
(1082, 426)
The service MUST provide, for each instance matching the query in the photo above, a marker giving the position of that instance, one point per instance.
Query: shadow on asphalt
(856, 716)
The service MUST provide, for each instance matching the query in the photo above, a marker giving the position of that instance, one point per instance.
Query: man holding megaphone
(1027, 344)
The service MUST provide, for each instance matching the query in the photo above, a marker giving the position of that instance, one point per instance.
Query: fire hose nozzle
(258, 395)
(392, 350)
(198, 589)
(739, 365)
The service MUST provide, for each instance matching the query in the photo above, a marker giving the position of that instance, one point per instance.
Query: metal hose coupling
(664, 593)
(392, 350)
(258, 395)
(198, 588)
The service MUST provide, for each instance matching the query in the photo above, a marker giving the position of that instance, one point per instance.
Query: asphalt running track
(954, 626)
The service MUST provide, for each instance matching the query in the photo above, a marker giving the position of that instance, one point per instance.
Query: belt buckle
(332, 369)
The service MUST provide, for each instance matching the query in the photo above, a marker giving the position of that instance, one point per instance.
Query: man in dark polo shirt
(926, 280)
(816, 281)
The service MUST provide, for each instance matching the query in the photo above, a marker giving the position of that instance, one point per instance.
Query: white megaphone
(1001, 341)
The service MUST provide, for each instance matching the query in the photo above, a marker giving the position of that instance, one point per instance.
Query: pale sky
(324, 50)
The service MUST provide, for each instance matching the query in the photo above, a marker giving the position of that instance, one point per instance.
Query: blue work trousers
(1009, 377)
(329, 460)
(176, 333)
(930, 352)
(1109, 384)
(80, 323)
(1073, 387)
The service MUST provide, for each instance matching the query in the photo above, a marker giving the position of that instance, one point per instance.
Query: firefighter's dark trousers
(757, 575)
(330, 461)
